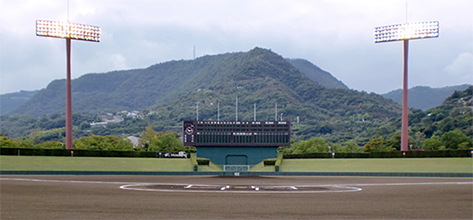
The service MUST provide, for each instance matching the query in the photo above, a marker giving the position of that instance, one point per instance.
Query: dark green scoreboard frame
(237, 133)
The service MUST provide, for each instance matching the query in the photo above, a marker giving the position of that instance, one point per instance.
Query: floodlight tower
(406, 32)
(68, 31)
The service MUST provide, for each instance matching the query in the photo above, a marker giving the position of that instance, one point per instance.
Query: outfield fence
(394, 154)
(75, 153)
(106, 153)
(234, 173)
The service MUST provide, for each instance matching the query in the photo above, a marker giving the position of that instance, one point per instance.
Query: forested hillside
(11, 101)
(157, 85)
(318, 75)
(454, 115)
(173, 90)
(424, 97)
(456, 112)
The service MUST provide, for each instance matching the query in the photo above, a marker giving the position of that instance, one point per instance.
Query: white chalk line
(80, 181)
(343, 187)
(295, 188)
(393, 184)
(224, 189)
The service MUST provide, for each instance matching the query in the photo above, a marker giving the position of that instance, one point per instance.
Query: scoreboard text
(237, 133)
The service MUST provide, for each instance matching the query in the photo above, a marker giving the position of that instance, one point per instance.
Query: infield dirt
(100, 197)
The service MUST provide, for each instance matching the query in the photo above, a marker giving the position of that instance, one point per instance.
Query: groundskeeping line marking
(251, 189)
(208, 188)
(79, 181)
(333, 188)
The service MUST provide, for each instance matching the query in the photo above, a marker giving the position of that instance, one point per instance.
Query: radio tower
(194, 52)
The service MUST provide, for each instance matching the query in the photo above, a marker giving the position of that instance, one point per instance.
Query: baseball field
(234, 197)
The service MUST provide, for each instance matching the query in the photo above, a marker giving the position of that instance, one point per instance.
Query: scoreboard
(237, 133)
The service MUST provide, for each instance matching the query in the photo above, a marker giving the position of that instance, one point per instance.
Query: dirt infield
(120, 197)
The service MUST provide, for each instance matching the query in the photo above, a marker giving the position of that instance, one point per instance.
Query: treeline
(452, 140)
(448, 126)
(93, 142)
(151, 141)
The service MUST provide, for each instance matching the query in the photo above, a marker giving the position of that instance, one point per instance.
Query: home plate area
(240, 188)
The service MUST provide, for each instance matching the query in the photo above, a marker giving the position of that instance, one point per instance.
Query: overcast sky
(337, 36)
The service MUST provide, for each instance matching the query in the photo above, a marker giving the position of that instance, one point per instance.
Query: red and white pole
(405, 108)
(68, 97)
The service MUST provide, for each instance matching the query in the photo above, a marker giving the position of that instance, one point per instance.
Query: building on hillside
(134, 140)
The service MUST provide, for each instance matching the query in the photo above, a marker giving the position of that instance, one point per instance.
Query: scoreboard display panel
(237, 133)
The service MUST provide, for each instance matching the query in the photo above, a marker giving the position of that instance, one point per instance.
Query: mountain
(159, 84)
(424, 97)
(455, 113)
(173, 90)
(11, 101)
(265, 78)
(316, 74)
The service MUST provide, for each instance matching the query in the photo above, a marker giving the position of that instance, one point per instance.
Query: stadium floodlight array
(407, 31)
(67, 30)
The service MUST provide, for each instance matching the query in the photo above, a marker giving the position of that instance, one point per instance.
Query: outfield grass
(93, 163)
(262, 168)
(403, 165)
(211, 167)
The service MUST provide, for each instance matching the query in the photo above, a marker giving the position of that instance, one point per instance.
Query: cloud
(462, 66)
(119, 61)
(334, 35)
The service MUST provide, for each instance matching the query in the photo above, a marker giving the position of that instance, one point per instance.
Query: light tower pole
(68, 31)
(406, 32)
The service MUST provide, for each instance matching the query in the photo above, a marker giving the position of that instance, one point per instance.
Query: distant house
(134, 140)
(109, 117)
(135, 114)
(103, 124)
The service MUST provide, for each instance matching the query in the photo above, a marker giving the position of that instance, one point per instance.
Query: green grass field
(262, 168)
(93, 163)
(407, 165)
(403, 165)
(212, 167)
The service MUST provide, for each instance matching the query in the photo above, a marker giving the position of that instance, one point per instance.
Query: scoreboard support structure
(237, 142)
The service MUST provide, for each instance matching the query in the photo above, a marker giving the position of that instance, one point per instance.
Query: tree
(352, 147)
(313, 145)
(394, 142)
(166, 142)
(453, 139)
(7, 142)
(93, 142)
(25, 143)
(419, 139)
(124, 144)
(50, 145)
(377, 145)
(433, 143)
(337, 148)
(288, 149)
(146, 136)
(34, 135)
(84, 125)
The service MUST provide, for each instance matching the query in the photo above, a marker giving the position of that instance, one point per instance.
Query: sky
(336, 36)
